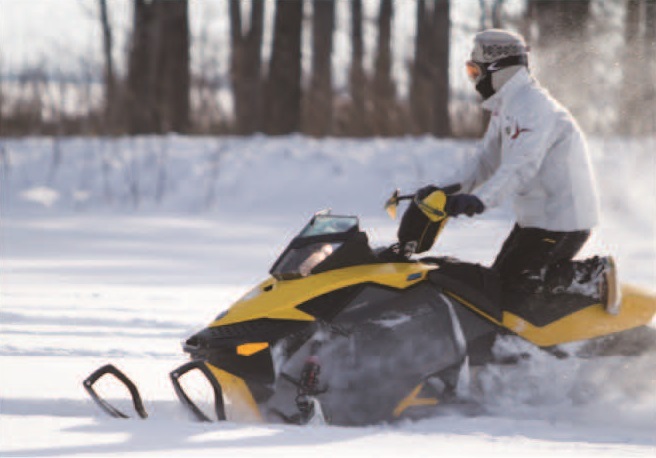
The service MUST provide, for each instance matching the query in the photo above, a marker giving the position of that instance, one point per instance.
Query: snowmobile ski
(198, 414)
(105, 405)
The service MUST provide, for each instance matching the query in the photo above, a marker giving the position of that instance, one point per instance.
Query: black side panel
(327, 306)
(231, 335)
(391, 340)
(474, 283)
(479, 334)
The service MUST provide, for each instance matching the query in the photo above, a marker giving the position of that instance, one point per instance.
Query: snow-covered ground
(118, 250)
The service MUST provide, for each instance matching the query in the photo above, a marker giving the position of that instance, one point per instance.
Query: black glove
(426, 191)
(469, 204)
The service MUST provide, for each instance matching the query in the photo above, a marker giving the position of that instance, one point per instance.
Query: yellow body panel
(279, 299)
(242, 406)
(413, 399)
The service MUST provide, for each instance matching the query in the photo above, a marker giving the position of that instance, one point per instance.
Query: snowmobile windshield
(319, 240)
(299, 262)
(329, 224)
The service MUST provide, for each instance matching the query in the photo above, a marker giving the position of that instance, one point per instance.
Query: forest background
(355, 68)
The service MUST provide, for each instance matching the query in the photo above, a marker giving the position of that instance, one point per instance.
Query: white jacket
(534, 153)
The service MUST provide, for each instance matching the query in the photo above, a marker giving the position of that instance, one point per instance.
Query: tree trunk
(357, 79)
(650, 60)
(320, 98)
(441, 38)
(559, 20)
(383, 86)
(497, 16)
(246, 58)
(158, 80)
(284, 80)
(174, 61)
(650, 26)
(632, 76)
(422, 69)
(638, 95)
(141, 110)
(110, 80)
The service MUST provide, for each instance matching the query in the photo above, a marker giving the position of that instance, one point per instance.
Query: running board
(106, 406)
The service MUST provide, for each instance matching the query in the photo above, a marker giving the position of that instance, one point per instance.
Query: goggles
(476, 71)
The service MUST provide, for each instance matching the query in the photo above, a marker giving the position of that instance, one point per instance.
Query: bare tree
(638, 95)
(158, 69)
(441, 37)
(429, 91)
(558, 20)
(246, 63)
(422, 69)
(650, 59)
(357, 78)
(650, 24)
(174, 64)
(497, 10)
(2, 108)
(110, 79)
(141, 107)
(283, 95)
(319, 104)
(384, 90)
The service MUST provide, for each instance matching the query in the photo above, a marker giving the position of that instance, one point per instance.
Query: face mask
(484, 86)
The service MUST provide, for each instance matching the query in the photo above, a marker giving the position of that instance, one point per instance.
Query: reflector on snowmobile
(106, 406)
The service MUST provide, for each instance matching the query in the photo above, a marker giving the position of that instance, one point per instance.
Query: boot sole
(613, 294)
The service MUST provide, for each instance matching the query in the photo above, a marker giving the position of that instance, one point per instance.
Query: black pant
(532, 258)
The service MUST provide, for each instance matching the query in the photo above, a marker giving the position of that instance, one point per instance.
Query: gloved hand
(468, 204)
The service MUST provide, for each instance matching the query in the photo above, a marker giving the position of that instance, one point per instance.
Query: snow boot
(595, 277)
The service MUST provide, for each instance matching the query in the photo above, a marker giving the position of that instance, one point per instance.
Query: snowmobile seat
(481, 287)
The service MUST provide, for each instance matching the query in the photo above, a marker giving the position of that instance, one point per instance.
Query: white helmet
(494, 44)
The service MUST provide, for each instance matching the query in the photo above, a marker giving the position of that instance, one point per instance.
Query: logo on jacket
(518, 130)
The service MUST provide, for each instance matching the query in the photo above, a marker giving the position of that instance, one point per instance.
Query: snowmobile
(346, 334)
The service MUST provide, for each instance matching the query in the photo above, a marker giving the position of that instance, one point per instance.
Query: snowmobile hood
(279, 299)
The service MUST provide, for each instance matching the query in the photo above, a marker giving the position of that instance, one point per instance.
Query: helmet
(495, 50)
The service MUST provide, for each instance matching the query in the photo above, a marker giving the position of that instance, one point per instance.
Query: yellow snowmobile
(345, 334)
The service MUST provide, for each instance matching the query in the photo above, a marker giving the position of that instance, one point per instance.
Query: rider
(535, 154)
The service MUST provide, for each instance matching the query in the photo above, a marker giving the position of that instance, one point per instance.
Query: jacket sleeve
(486, 157)
(526, 144)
